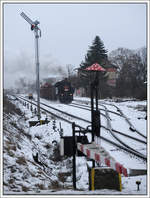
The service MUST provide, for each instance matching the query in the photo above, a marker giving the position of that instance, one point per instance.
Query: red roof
(95, 67)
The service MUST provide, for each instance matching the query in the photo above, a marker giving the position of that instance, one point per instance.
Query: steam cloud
(19, 69)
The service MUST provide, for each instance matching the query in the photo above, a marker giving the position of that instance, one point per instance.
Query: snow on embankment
(22, 172)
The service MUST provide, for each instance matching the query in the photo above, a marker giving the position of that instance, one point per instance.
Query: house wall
(112, 76)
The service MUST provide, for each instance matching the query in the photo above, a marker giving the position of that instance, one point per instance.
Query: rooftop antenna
(37, 33)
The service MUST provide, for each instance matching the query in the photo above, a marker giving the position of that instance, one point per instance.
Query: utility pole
(37, 33)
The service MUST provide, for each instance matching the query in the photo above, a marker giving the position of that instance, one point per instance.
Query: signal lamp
(32, 27)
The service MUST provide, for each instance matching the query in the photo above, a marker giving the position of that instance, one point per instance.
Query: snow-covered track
(65, 113)
(82, 106)
(131, 127)
(118, 139)
(56, 114)
(121, 114)
(124, 148)
(85, 107)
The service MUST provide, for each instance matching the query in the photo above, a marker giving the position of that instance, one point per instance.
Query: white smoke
(22, 66)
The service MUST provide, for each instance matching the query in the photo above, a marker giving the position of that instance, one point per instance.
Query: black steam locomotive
(62, 91)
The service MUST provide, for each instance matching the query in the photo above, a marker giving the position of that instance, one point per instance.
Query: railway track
(70, 116)
(88, 107)
(112, 133)
(131, 127)
(121, 146)
(121, 114)
(109, 119)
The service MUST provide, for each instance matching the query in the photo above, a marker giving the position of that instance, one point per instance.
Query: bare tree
(133, 71)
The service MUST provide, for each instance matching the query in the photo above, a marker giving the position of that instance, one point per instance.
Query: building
(112, 75)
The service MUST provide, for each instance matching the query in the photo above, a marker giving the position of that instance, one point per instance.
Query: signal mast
(37, 33)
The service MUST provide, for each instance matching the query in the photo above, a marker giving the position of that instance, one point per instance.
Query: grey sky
(67, 32)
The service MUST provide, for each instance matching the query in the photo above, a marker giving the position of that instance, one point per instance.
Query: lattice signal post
(37, 32)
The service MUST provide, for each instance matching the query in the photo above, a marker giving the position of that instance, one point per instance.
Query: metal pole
(74, 156)
(97, 109)
(92, 116)
(37, 72)
(96, 91)
(34, 26)
(92, 108)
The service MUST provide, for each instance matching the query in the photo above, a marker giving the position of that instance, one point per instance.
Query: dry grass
(25, 188)
(10, 153)
(40, 186)
(38, 137)
(21, 160)
(63, 176)
(55, 185)
(11, 181)
(13, 169)
(10, 148)
(48, 146)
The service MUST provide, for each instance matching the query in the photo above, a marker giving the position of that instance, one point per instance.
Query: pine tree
(95, 54)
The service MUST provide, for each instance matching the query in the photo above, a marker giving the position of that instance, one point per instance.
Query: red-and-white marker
(99, 154)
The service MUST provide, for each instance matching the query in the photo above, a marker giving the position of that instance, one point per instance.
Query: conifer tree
(95, 54)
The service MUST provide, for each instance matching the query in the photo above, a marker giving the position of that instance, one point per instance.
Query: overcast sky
(67, 32)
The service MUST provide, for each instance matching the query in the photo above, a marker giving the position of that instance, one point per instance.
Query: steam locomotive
(62, 91)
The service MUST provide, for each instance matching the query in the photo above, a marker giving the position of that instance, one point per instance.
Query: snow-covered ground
(118, 123)
(22, 175)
